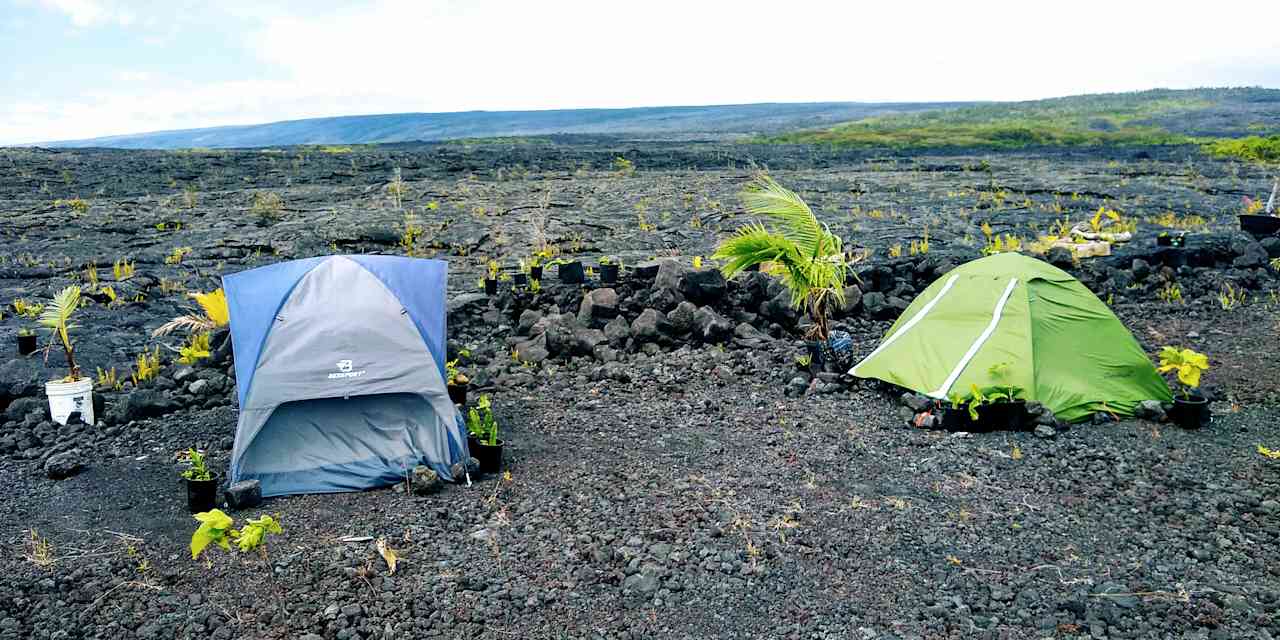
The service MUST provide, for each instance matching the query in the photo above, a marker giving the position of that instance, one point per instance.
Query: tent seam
(996, 315)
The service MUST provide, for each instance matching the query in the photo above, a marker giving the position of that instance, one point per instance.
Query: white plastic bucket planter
(68, 397)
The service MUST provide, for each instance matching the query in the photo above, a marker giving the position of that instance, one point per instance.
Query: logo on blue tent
(344, 371)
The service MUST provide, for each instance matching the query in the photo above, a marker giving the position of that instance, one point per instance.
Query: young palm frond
(57, 317)
(811, 258)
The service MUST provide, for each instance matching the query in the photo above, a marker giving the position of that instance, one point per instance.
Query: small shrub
(267, 206)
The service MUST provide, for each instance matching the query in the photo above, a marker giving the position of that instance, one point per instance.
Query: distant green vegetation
(1115, 119)
(1213, 117)
(1252, 148)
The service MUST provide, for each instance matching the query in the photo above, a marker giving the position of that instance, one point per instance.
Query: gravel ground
(693, 484)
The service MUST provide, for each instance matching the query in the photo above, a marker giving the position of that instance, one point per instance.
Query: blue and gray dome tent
(340, 368)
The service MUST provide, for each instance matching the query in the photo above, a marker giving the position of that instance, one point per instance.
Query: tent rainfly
(340, 372)
(1064, 347)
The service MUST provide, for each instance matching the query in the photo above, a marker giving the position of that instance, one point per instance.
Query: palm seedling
(57, 318)
(808, 256)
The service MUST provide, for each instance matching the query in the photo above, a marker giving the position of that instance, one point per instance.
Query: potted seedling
(535, 267)
(1258, 219)
(74, 393)
(458, 383)
(491, 282)
(1166, 239)
(1007, 410)
(609, 270)
(202, 484)
(482, 437)
(804, 250)
(1190, 409)
(26, 342)
(570, 271)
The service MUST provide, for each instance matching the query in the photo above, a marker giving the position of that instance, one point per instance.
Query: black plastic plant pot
(489, 456)
(956, 419)
(1260, 226)
(490, 286)
(1191, 413)
(572, 273)
(1009, 415)
(520, 279)
(608, 273)
(458, 393)
(26, 345)
(535, 273)
(202, 495)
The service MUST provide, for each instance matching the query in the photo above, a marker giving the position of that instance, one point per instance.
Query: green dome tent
(1062, 345)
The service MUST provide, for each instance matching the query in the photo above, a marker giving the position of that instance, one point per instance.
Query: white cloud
(91, 13)
(418, 55)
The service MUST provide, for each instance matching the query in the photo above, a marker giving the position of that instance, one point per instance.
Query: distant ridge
(406, 127)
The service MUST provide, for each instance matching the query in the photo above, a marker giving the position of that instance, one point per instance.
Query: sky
(85, 68)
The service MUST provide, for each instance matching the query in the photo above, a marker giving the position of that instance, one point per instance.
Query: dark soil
(695, 482)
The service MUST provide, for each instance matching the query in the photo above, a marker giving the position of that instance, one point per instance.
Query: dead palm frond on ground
(212, 313)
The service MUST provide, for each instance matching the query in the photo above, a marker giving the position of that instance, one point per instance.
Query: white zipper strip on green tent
(941, 392)
(910, 323)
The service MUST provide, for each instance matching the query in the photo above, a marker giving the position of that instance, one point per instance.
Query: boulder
(1271, 246)
(778, 309)
(648, 326)
(146, 403)
(617, 331)
(852, 300)
(668, 276)
(425, 480)
(711, 326)
(875, 304)
(533, 350)
(1152, 410)
(681, 317)
(1140, 269)
(598, 307)
(1060, 257)
(586, 340)
(646, 271)
(20, 408)
(21, 377)
(459, 470)
(63, 465)
(1251, 255)
(245, 494)
(703, 286)
(528, 320)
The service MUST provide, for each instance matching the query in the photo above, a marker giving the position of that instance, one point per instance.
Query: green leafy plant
(492, 266)
(196, 348)
(26, 309)
(455, 376)
(1002, 373)
(218, 528)
(481, 423)
(810, 257)
(26, 332)
(146, 366)
(57, 318)
(979, 397)
(1187, 363)
(197, 471)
